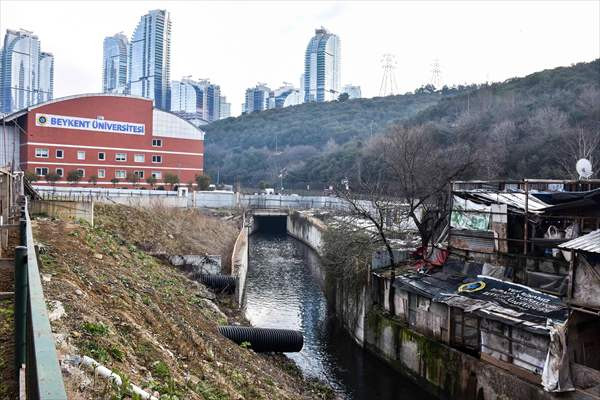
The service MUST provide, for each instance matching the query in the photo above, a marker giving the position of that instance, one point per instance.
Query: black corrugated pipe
(218, 282)
(265, 339)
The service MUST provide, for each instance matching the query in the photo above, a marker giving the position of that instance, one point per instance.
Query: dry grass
(8, 383)
(147, 320)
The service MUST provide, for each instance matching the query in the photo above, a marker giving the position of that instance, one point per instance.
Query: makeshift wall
(586, 287)
(444, 371)
(583, 343)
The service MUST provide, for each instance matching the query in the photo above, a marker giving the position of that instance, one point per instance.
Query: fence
(35, 353)
(83, 194)
(199, 199)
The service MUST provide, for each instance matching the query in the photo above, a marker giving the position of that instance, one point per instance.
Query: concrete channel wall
(68, 210)
(239, 260)
(444, 371)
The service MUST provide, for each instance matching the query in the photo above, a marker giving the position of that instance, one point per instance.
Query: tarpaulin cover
(556, 376)
(566, 197)
(522, 298)
(475, 216)
(498, 299)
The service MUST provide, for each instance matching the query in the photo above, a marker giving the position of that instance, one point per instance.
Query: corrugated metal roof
(589, 243)
(516, 200)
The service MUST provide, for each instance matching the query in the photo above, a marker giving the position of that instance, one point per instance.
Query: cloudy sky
(237, 44)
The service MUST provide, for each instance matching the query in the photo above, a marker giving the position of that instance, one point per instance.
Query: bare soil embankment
(145, 319)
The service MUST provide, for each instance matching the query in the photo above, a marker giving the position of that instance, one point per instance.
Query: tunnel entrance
(275, 224)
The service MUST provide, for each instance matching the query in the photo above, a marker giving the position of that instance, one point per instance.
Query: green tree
(171, 179)
(133, 178)
(343, 97)
(74, 176)
(151, 180)
(203, 181)
(114, 181)
(52, 178)
(31, 176)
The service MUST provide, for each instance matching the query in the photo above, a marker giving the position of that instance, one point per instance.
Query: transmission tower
(388, 82)
(436, 74)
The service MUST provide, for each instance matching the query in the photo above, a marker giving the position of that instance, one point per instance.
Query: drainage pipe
(265, 339)
(218, 282)
(111, 376)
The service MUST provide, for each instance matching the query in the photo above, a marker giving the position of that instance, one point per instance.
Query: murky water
(282, 292)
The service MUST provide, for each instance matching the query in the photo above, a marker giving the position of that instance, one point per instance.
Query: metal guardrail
(35, 352)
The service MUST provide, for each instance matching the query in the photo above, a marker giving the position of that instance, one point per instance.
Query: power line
(388, 81)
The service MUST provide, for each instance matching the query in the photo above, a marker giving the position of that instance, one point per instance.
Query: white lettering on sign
(89, 124)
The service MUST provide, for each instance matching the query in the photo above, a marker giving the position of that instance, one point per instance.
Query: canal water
(282, 292)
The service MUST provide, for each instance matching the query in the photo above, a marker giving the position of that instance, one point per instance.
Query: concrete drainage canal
(282, 292)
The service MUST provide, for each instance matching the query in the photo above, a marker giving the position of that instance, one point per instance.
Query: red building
(107, 138)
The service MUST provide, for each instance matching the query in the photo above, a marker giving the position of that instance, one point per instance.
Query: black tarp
(520, 298)
(565, 200)
(531, 305)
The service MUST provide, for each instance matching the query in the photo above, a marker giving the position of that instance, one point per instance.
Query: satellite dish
(584, 168)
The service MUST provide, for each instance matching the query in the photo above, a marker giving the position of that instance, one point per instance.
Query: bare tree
(412, 188)
(373, 202)
(422, 170)
(549, 120)
(576, 144)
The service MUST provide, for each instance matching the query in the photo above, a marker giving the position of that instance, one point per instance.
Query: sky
(239, 43)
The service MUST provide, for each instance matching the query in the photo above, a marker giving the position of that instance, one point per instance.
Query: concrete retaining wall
(67, 210)
(146, 202)
(307, 229)
(239, 261)
(444, 371)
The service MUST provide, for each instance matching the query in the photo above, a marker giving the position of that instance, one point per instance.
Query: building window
(101, 156)
(156, 159)
(121, 157)
(139, 174)
(156, 142)
(120, 174)
(60, 153)
(81, 155)
(81, 172)
(41, 153)
(139, 158)
(60, 172)
(41, 171)
(101, 173)
(156, 175)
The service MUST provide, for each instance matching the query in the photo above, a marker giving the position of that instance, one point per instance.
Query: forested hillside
(536, 126)
(255, 147)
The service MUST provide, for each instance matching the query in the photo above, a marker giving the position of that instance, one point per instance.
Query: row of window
(44, 153)
(119, 174)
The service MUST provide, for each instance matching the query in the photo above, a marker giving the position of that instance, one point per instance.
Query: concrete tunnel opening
(275, 224)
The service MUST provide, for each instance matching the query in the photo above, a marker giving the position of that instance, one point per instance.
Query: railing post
(22, 232)
(21, 287)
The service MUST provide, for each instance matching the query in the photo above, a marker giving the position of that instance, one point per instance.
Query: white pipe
(111, 376)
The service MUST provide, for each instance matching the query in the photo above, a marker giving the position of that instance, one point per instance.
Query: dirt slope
(145, 319)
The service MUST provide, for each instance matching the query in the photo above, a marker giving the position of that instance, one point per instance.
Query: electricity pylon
(388, 81)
